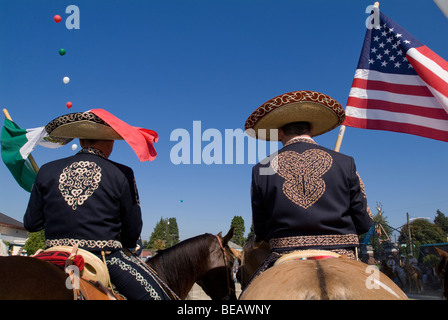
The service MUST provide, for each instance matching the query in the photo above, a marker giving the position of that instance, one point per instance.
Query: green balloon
(61, 52)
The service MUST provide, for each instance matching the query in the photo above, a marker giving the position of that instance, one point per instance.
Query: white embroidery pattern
(79, 181)
(85, 244)
(129, 268)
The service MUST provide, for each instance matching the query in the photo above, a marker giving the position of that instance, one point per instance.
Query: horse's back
(30, 278)
(325, 279)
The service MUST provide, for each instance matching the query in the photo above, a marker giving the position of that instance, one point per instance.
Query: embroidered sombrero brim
(323, 112)
(82, 125)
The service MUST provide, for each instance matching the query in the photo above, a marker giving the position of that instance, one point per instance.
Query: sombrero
(99, 124)
(323, 112)
(82, 125)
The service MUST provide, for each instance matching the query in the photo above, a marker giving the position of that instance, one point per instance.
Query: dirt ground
(197, 293)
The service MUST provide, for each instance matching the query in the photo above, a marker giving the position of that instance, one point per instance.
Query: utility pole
(409, 233)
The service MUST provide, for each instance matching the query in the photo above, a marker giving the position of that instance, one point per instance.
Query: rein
(223, 250)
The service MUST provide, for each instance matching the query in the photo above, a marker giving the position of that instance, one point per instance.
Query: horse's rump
(30, 278)
(326, 279)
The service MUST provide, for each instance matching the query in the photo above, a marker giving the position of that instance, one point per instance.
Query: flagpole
(339, 139)
(30, 157)
(341, 133)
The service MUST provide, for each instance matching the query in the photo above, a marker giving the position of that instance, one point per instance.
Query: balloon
(57, 18)
(61, 52)
(69, 104)
(74, 146)
(66, 80)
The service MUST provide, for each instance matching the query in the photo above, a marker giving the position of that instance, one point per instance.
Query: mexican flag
(16, 145)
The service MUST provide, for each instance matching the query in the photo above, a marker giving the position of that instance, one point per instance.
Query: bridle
(223, 250)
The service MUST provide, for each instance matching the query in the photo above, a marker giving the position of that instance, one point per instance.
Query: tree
(383, 230)
(442, 221)
(238, 231)
(172, 232)
(165, 234)
(422, 232)
(251, 232)
(35, 241)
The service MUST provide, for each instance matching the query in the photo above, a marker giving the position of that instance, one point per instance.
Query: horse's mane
(176, 262)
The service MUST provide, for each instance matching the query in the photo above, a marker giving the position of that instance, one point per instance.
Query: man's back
(86, 199)
(314, 196)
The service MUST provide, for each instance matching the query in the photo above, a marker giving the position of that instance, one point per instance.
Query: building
(12, 232)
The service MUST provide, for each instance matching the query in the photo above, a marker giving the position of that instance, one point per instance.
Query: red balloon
(69, 104)
(57, 18)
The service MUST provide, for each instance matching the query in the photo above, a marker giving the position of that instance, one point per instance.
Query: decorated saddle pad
(59, 258)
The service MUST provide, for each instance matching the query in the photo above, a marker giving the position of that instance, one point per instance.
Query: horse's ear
(442, 254)
(227, 237)
(237, 254)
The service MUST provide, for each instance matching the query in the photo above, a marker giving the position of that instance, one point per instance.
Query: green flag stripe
(12, 140)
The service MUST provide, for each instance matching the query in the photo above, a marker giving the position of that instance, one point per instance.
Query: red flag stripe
(439, 124)
(435, 113)
(141, 140)
(432, 79)
(397, 127)
(392, 87)
(429, 102)
(424, 50)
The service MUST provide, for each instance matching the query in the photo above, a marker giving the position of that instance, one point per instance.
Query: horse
(205, 259)
(253, 253)
(442, 270)
(324, 279)
(415, 277)
(398, 273)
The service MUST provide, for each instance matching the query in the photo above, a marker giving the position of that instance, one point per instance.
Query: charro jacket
(85, 199)
(308, 197)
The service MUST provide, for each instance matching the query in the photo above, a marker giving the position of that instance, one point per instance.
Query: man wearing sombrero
(311, 197)
(91, 201)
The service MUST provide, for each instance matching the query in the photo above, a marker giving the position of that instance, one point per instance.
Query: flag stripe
(422, 131)
(428, 102)
(432, 58)
(33, 137)
(400, 118)
(431, 73)
(435, 113)
(389, 77)
(12, 139)
(141, 140)
(416, 90)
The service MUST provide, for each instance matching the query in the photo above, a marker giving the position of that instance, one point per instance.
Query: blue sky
(162, 65)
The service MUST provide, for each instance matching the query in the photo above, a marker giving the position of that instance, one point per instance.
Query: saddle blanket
(59, 258)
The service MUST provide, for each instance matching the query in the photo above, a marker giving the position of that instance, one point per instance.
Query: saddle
(306, 255)
(91, 281)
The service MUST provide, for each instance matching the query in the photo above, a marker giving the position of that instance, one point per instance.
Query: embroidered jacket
(85, 199)
(308, 197)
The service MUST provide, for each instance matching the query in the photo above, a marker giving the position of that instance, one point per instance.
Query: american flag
(400, 85)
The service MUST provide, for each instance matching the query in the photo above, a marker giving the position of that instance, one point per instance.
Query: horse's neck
(178, 270)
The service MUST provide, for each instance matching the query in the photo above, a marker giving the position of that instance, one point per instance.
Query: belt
(331, 240)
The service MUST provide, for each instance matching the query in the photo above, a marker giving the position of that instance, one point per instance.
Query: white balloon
(66, 80)
(74, 146)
